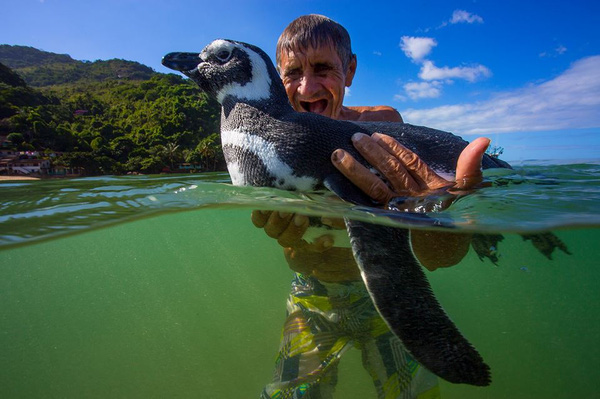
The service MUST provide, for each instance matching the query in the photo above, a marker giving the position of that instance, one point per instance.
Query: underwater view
(160, 286)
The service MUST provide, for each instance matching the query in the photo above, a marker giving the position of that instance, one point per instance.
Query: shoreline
(15, 178)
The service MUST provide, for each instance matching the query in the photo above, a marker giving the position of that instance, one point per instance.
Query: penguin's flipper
(347, 191)
(403, 297)
(546, 243)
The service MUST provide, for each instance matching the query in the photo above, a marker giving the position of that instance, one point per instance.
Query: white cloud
(419, 90)
(560, 50)
(462, 16)
(416, 48)
(347, 92)
(569, 101)
(378, 53)
(471, 74)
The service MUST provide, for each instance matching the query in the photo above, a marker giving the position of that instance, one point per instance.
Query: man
(329, 310)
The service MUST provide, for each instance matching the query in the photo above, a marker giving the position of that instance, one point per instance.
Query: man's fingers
(259, 218)
(322, 244)
(404, 170)
(387, 163)
(335, 223)
(425, 177)
(287, 228)
(277, 223)
(468, 168)
(294, 231)
(360, 176)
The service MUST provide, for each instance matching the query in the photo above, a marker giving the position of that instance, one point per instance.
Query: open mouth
(316, 107)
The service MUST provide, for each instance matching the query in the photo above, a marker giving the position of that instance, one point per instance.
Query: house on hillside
(9, 154)
(30, 163)
(17, 166)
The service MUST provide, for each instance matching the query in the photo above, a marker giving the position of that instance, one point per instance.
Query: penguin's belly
(252, 161)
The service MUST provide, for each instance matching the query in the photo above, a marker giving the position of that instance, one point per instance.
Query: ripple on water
(526, 199)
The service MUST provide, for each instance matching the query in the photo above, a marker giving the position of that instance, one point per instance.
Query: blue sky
(524, 73)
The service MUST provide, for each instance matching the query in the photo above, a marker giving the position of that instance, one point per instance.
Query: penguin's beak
(182, 62)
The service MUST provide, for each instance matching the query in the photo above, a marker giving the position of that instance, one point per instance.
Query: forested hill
(9, 77)
(109, 117)
(41, 68)
(16, 57)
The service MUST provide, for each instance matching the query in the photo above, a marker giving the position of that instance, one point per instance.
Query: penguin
(267, 143)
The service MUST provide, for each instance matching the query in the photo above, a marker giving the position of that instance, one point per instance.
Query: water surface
(161, 287)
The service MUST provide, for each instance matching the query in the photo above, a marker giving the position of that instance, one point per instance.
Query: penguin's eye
(223, 55)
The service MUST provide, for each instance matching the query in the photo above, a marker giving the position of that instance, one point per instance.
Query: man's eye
(322, 69)
(293, 74)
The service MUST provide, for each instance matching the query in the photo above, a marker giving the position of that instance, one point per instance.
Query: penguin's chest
(255, 161)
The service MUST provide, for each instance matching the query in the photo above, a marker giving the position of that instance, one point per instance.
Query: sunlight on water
(180, 296)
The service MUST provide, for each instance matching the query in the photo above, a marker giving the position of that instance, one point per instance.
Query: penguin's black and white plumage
(267, 143)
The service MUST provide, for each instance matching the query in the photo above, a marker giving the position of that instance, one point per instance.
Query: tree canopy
(109, 117)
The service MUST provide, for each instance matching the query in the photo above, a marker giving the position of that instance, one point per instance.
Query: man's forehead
(324, 54)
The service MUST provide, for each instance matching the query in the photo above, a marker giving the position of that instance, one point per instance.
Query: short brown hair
(314, 31)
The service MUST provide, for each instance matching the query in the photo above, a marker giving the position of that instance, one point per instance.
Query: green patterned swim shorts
(323, 321)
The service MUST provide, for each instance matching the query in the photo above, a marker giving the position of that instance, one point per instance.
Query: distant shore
(2, 178)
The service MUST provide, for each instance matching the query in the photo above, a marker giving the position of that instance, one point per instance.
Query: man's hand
(319, 258)
(289, 228)
(408, 175)
(333, 265)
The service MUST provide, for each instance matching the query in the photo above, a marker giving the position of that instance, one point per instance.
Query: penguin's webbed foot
(486, 246)
(546, 243)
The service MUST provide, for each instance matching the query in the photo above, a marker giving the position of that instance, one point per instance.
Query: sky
(524, 73)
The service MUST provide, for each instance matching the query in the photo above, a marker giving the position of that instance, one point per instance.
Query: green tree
(171, 153)
(107, 117)
(210, 151)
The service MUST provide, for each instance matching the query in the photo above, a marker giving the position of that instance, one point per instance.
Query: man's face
(315, 80)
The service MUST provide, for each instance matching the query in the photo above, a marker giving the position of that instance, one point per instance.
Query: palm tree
(171, 153)
(210, 150)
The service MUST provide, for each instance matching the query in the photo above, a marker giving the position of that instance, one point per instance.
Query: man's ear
(350, 71)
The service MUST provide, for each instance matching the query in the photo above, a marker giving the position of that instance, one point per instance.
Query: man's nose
(308, 85)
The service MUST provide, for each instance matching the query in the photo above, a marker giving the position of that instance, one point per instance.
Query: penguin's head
(228, 68)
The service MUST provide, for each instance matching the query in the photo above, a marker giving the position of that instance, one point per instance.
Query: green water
(178, 296)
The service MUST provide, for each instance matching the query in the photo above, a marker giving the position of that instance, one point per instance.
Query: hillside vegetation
(109, 117)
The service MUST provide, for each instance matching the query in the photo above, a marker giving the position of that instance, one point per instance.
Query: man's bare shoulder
(377, 113)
